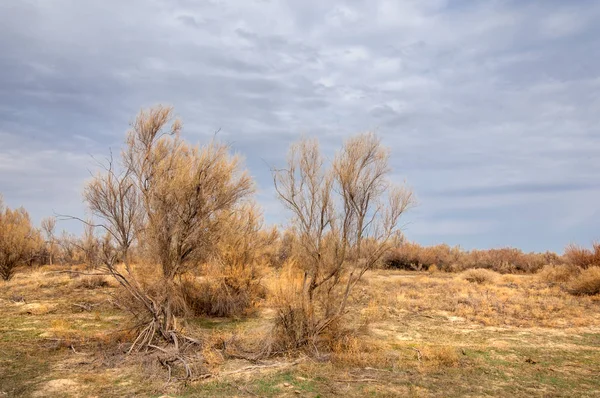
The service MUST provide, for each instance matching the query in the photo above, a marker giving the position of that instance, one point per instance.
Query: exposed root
(171, 354)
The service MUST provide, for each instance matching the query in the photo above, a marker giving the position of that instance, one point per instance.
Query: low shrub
(587, 283)
(557, 273)
(583, 257)
(433, 269)
(232, 293)
(439, 356)
(480, 275)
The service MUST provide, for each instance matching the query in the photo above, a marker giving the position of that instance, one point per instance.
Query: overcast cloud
(491, 108)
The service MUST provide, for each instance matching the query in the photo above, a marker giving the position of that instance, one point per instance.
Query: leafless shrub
(68, 251)
(170, 199)
(343, 228)
(583, 257)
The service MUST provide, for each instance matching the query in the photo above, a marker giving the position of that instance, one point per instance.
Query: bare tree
(168, 198)
(67, 248)
(346, 217)
(48, 228)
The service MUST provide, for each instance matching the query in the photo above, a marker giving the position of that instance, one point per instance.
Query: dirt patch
(59, 387)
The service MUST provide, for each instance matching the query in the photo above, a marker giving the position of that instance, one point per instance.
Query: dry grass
(521, 300)
(417, 333)
(91, 282)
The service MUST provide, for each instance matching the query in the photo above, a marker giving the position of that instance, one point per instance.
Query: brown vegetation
(411, 331)
(583, 257)
(479, 275)
(173, 201)
(18, 240)
(345, 218)
(412, 256)
(177, 268)
(585, 283)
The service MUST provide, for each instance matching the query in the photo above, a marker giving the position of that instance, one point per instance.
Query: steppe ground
(419, 334)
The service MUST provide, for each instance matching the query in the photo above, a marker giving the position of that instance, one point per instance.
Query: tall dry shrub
(48, 229)
(345, 216)
(169, 199)
(19, 240)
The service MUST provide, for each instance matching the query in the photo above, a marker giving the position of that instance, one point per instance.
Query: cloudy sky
(491, 108)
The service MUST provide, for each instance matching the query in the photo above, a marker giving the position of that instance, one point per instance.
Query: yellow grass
(409, 334)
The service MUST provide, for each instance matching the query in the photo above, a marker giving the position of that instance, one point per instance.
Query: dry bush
(172, 201)
(412, 256)
(90, 246)
(349, 351)
(68, 252)
(558, 273)
(232, 286)
(284, 246)
(480, 275)
(583, 257)
(91, 282)
(230, 294)
(587, 283)
(19, 241)
(286, 298)
(345, 218)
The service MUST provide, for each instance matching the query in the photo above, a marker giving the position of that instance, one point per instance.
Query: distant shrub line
(412, 256)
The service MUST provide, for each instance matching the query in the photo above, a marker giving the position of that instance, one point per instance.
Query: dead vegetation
(412, 332)
(18, 240)
(479, 275)
(177, 287)
(586, 283)
(346, 218)
(171, 201)
(412, 256)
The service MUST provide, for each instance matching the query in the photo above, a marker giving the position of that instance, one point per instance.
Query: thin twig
(419, 355)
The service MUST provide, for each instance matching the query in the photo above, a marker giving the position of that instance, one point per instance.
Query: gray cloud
(491, 109)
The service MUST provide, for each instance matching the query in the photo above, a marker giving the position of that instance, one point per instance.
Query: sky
(491, 109)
